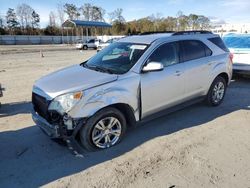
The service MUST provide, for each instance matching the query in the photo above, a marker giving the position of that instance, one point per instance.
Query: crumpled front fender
(125, 91)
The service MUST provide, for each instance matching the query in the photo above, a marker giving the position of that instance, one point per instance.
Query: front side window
(117, 58)
(166, 54)
(194, 49)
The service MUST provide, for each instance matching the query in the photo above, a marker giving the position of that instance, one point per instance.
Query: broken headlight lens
(66, 102)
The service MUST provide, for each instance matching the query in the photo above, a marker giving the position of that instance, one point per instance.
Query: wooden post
(62, 36)
(82, 33)
(87, 33)
(68, 36)
(72, 30)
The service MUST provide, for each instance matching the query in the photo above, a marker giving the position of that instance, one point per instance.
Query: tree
(72, 11)
(181, 21)
(168, 24)
(116, 16)
(35, 19)
(1, 22)
(24, 13)
(97, 13)
(193, 21)
(86, 11)
(11, 20)
(92, 12)
(118, 21)
(204, 22)
(2, 30)
(119, 28)
(52, 19)
(61, 13)
(51, 30)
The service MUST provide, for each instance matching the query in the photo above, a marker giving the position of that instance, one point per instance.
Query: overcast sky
(232, 11)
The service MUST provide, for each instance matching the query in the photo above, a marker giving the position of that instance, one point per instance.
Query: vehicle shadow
(11, 109)
(29, 159)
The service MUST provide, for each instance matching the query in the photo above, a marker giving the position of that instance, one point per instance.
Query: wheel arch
(221, 74)
(225, 76)
(127, 111)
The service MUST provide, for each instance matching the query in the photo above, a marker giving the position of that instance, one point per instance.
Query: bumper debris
(59, 132)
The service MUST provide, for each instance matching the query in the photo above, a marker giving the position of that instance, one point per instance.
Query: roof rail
(155, 32)
(192, 32)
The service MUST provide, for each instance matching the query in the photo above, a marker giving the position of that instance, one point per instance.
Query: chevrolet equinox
(129, 81)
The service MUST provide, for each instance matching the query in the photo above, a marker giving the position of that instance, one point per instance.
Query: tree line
(24, 20)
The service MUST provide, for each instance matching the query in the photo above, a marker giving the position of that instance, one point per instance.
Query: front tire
(105, 129)
(216, 92)
(85, 47)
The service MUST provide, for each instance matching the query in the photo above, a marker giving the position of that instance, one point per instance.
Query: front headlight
(66, 102)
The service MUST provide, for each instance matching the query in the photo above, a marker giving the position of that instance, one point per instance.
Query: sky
(230, 11)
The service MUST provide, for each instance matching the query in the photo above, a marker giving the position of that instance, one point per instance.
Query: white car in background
(239, 46)
(103, 45)
(91, 43)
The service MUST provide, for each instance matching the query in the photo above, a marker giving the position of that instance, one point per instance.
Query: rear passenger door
(196, 57)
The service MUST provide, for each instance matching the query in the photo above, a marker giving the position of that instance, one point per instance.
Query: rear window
(237, 41)
(218, 42)
(194, 49)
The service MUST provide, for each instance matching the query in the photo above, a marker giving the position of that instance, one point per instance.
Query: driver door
(163, 89)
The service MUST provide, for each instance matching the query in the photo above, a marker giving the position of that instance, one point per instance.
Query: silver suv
(92, 43)
(128, 82)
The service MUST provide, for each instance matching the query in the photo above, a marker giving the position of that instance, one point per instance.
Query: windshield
(117, 58)
(237, 41)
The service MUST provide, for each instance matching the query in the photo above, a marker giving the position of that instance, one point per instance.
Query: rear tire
(103, 130)
(216, 92)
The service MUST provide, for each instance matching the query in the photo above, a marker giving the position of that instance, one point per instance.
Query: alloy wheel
(106, 132)
(218, 92)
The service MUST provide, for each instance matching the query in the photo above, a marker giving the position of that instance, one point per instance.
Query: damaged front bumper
(59, 131)
(52, 131)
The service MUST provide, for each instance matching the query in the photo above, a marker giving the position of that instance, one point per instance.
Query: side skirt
(170, 110)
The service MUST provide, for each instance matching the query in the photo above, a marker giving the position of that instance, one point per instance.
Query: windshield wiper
(98, 68)
(103, 69)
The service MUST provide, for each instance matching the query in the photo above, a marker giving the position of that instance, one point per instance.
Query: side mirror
(153, 66)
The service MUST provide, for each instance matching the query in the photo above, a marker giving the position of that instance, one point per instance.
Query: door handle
(177, 73)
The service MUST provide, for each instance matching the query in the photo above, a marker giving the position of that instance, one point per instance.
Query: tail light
(231, 56)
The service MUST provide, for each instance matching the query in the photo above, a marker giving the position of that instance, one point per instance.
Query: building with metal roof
(78, 26)
(82, 23)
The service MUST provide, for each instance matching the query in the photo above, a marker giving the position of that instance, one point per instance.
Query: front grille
(40, 105)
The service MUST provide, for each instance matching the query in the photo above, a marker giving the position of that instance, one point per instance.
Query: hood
(70, 79)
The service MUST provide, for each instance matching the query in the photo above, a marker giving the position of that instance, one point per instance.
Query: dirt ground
(198, 146)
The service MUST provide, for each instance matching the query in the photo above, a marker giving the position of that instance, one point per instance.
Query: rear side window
(194, 49)
(218, 42)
